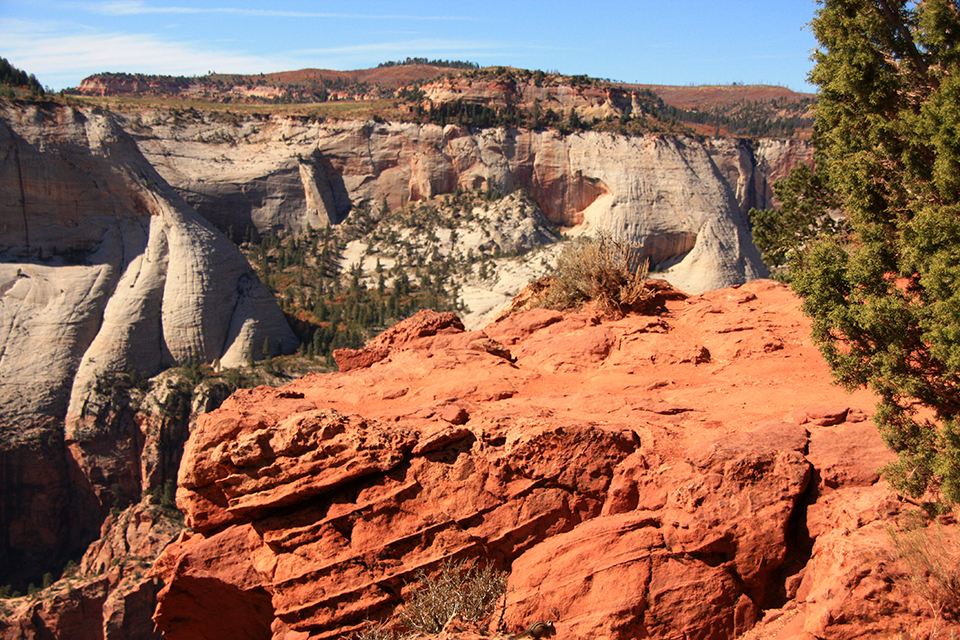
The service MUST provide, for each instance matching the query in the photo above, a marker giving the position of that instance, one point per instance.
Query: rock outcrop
(122, 84)
(686, 474)
(108, 594)
(156, 284)
(104, 269)
(555, 93)
(684, 199)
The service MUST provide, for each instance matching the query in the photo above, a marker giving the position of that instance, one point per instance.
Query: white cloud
(62, 55)
(425, 45)
(135, 7)
(132, 9)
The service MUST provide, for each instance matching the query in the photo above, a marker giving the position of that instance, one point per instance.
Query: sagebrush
(375, 631)
(608, 271)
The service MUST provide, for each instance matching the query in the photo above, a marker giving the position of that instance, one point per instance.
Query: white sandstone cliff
(684, 199)
(154, 285)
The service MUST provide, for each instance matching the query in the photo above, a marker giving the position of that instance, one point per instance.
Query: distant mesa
(427, 90)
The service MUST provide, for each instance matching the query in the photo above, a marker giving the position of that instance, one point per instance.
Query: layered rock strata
(108, 594)
(686, 474)
(589, 101)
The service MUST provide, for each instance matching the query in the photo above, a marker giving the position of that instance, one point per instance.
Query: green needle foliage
(804, 215)
(885, 300)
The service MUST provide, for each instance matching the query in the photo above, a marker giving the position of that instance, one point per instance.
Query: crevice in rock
(314, 509)
(23, 197)
(799, 547)
(449, 454)
(667, 249)
(563, 201)
(711, 559)
(250, 610)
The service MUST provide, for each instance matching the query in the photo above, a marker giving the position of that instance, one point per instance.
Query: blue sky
(648, 41)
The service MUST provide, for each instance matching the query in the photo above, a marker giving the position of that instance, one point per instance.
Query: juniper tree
(806, 205)
(885, 300)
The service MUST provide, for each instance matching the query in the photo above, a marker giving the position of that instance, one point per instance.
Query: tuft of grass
(608, 271)
(932, 563)
(459, 589)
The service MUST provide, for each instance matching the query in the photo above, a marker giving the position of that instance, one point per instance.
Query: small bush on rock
(607, 271)
(376, 631)
(460, 590)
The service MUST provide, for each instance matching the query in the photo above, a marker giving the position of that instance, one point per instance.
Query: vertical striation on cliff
(103, 268)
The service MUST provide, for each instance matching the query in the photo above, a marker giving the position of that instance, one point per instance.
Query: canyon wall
(104, 269)
(111, 260)
(684, 199)
(554, 93)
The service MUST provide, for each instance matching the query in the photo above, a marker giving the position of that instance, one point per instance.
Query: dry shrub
(375, 631)
(932, 562)
(459, 589)
(607, 271)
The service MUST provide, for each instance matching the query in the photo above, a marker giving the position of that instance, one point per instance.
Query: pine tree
(10, 75)
(885, 301)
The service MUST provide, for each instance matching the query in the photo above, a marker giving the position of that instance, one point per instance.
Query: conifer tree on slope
(885, 298)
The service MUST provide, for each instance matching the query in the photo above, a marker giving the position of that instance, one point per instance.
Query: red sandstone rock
(848, 455)
(632, 485)
(454, 414)
(681, 567)
(515, 327)
(505, 498)
(492, 347)
(423, 324)
(854, 586)
(821, 415)
(216, 586)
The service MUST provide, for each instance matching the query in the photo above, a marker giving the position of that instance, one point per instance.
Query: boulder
(699, 561)
(319, 496)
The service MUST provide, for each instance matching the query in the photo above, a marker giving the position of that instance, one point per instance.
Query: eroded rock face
(104, 268)
(590, 101)
(108, 595)
(684, 200)
(715, 526)
(158, 285)
(652, 476)
(416, 499)
(423, 324)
